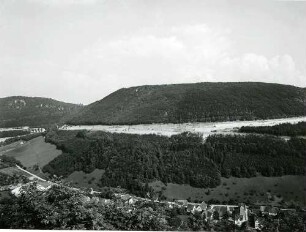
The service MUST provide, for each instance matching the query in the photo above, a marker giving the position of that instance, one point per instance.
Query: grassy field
(11, 146)
(257, 189)
(13, 171)
(88, 180)
(4, 195)
(33, 152)
(168, 129)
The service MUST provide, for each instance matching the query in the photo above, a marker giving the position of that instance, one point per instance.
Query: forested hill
(33, 111)
(131, 160)
(198, 102)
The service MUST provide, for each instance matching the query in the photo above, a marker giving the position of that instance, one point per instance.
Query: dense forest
(33, 111)
(285, 129)
(8, 161)
(130, 161)
(200, 102)
(13, 133)
(5, 179)
(245, 156)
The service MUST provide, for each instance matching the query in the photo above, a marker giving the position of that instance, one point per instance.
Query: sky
(80, 51)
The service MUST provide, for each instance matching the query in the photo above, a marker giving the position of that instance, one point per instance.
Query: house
(95, 200)
(128, 199)
(258, 224)
(19, 189)
(190, 208)
(273, 211)
(85, 199)
(221, 209)
(182, 202)
(208, 215)
(263, 209)
(132, 201)
(170, 205)
(105, 201)
(242, 216)
(124, 197)
(197, 208)
(268, 210)
(243, 212)
(203, 205)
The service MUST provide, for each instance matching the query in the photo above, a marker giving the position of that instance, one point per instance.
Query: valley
(36, 154)
(205, 129)
(145, 144)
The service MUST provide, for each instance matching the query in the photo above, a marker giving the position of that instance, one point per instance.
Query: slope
(200, 102)
(33, 111)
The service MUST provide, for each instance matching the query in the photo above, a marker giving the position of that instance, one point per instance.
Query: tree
(216, 215)
(226, 215)
(81, 134)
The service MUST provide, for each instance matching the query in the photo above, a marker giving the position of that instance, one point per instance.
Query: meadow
(34, 152)
(85, 180)
(255, 190)
(169, 129)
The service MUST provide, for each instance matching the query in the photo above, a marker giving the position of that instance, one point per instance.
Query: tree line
(129, 160)
(13, 133)
(26, 138)
(283, 129)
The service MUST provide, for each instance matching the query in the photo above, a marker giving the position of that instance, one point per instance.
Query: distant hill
(33, 111)
(200, 102)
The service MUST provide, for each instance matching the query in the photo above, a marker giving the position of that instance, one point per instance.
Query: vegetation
(62, 207)
(21, 138)
(130, 161)
(285, 129)
(33, 111)
(244, 156)
(200, 102)
(13, 133)
(7, 161)
(253, 189)
(9, 180)
(36, 152)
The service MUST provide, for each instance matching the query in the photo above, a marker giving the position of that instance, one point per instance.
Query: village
(240, 215)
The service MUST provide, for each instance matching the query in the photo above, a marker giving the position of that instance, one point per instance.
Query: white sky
(82, 50)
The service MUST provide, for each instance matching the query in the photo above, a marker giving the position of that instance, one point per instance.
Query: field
(33, 152)
(263, 189)
(88, 180)
(11, 146)
(205, 129)
(13, 171)
(4, 195)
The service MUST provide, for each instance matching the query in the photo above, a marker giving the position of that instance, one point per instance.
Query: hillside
(200, 102)
(33, 111)
(131, 160)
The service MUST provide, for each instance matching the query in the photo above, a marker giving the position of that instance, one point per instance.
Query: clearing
(87, 180)
(204, 128)
(33, 152)
(256, 189)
